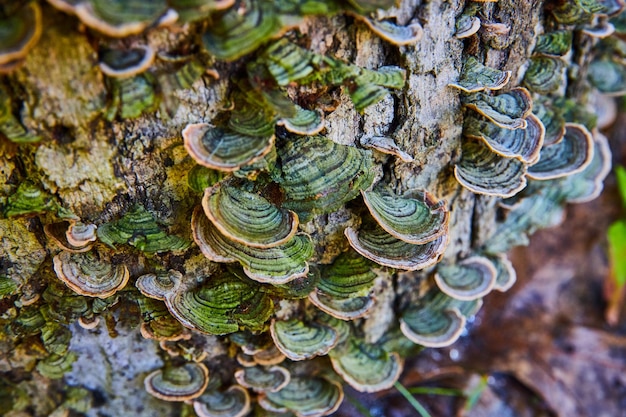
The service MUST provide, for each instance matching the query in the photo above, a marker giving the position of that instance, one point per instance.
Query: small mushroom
(552, 120)
(277, 265)
(468, 279)
(376, 244)
(159, 284)
(305, 122)
(523, 144)
(557, 43)
(299, 340)
(71, 236)
(178, 383)
(544, 74)
(224, 149)
(466, 26)
(416, 217)
(191, 11)
(319, 176)
(241, 30)
(587, 184)
(385, 145)
(507, 110)
(270, 356)
(247, 217)
(234, 402)
(91, 273)
(117, 18)
(438, 320)
(569, 156)
(121, 63)
(350, 275)
(89, 323)
(56, 366)
(608, 76)
(130, 97)
(305, 396)
(477, 77)
(262, 379)
(505, 272)
(392, 33)
(20, 32)
(139, 228)
(365, 366)
(343, 308)
(484, 172)
(219, 305)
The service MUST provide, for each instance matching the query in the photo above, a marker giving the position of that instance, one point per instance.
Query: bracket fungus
(485, 172)
(115, 18)
(468, 279)
(278, 264)
(261, 379)
(544, 74)
(121, 63)
(343, 290)
(247, 217)
(233, 402)
(219, 305)
(20, 32)
(91, 273)
(10, 125)
(478, 77)
(139, 228)
(178, 382)
(318, 175)
(271, 161)
(556, 43)
(523, 144)
(392, 33)
(374, 243)
(298, 340)
(437, 320)
(385, 145)
(72, 236)
(415, 217)
(569, 156)
(507, 110)
(366, 367)
(306, 396)
(466, 26)
(223, 149)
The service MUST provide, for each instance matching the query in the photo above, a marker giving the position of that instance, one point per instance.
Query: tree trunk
(98, 170)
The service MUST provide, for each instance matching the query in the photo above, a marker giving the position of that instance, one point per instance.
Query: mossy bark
(99, 169)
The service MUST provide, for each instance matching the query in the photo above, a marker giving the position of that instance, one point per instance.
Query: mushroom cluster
(259, 265)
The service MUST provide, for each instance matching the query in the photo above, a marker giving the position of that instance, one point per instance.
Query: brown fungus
(91, 273)
(178, 383)
(20, 32)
